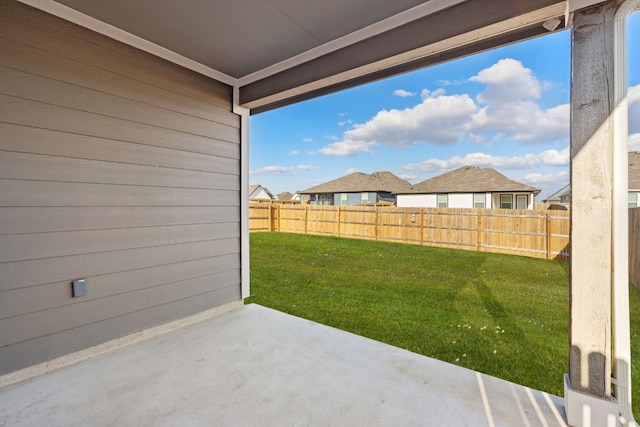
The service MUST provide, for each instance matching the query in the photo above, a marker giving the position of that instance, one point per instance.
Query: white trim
(620, 214)
(244, 192)
(97, 350)
(458, 41)
(108, 30)
(372, 30)
(587, 410)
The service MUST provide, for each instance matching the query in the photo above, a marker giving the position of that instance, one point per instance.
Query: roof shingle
(469, 179)
(360, 182)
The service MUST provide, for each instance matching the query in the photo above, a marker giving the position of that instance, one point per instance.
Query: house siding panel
(417, 201)
(117, 167)
(460, 200)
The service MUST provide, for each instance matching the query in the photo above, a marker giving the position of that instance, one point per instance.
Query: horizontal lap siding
(117, 167)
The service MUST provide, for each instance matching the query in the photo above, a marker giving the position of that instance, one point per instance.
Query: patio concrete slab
(254, 366)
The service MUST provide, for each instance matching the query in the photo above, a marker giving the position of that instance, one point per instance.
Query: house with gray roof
(469, 187)
(557, 197)
(257, 191)
(357, 188)
(564, 194)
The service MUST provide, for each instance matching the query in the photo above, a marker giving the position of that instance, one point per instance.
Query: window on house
(343, 199)
(479, 200)
(633, 200)
(506, 201)
(522, 201)
(325, 199)
(364, 198)
(442, 201)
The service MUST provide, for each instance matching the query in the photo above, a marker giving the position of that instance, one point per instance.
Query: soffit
(277, 52)
(240, 37)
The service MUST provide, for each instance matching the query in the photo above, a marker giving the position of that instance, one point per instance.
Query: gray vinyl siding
(117, 167)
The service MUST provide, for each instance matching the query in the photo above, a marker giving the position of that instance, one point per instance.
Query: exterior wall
(417, 201)
(456, 200)
(117, 167)
(337, 199)
(260, 194)
(460, 200)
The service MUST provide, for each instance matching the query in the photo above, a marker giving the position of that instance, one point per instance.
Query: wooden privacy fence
(540, 234)
(634, 246)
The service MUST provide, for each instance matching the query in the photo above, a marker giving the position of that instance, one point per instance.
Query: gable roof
(360, 182)
(285, 195)
(634, 170)
(255, 187)
(469, 179)
(555, 197)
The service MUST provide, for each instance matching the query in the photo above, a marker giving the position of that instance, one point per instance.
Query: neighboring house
(357, 188)
(564, 194)
(260, 192)
(634, 179)
(124, 155)
(557, 196)
(469, 187)
(285, 195)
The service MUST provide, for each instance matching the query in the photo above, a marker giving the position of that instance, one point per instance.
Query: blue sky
(507, 109)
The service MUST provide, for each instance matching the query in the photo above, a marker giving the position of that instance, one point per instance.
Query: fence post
(279, 215)
(421, 226)
(548, 233)
(270, 217)
(479, 236)
(375, 223)
(339, 209)
(306, 219)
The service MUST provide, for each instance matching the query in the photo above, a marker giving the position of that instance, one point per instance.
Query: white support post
(620, 227)
(244, 191)
(588, 399)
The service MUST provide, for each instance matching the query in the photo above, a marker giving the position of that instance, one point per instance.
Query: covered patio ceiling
(282, 51)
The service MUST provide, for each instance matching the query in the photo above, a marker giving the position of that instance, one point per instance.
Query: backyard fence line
(539, 234)
(634, 246)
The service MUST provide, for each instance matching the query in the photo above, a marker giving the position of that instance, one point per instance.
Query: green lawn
(498, 314)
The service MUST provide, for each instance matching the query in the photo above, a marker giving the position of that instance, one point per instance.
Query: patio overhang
(278, 52)
(283, 52)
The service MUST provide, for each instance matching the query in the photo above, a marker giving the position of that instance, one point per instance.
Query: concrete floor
(254, 366)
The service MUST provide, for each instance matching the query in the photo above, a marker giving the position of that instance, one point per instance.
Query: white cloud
(527, 161)
(294, 152)
(505, 110)
(283, 170)
(332, 137)
(450, 82)
(307, 167)
(270, 170)
(342, 114)
(524, 121)
(344, 123)
(403, 93)
(507, 81)
(438, 120)
(634, 142)
(559, 178)
(307, 140)
(346, 148)
(351, 170)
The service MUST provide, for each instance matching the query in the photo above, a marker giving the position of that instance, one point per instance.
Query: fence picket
(521, 232)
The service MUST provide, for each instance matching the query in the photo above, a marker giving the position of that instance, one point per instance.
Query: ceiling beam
(460, 30)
